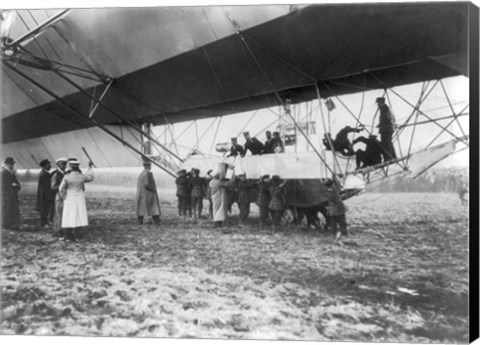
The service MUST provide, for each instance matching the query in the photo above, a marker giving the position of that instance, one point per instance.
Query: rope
(215, 136)
(451, 107)
(335, 160)
(276, 93)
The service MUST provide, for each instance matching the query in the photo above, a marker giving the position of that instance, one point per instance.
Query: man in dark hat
(45, 196)
(10, 188)
(336, 210)
(386, 128)
(182, 192)
(372, 154)
(196, 184)
(252, 144)
(277, 143)
(57, 177)
(263, 198)
(244, 187)
(341, 143)
(278, 203)
(147, 197)
(236, 149)
(268, 146)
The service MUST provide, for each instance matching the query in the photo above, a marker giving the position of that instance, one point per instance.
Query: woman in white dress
(72, 190)
(218, 186)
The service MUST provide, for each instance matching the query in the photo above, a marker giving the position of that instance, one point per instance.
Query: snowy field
(402, 275)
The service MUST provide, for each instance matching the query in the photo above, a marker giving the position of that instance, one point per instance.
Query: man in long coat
(57, 177)
(10, 188)
(147, 197)
(45, 196)
(386, 128)
(218, 186)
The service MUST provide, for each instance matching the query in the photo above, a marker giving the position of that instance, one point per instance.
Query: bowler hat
(246, 133)
(9, 160)
(265, 176)
(276, 179)
(44, 162)
(380, 99)
(147, 163)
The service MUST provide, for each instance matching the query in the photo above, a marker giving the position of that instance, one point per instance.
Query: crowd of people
(60, 196)
(268, 192)
(61, 200)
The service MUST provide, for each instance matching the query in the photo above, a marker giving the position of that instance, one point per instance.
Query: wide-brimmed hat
(44, 162)
(74, 162)
(9, 160)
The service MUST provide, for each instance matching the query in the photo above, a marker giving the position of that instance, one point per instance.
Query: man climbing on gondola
(341, 143)
(372, 154)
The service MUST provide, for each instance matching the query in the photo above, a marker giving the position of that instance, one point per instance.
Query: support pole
(101, 98)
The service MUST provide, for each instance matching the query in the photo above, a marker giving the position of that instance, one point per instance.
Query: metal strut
(71, 82)
(421, 112)
(85, 117)
(38, 29)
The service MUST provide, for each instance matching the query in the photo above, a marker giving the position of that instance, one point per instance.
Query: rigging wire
(451, 108)
(276, 93)
(46, 38)
(86, 118)
(121, 118)
(215, 135)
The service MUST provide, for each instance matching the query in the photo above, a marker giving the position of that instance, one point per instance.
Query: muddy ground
(402, 275)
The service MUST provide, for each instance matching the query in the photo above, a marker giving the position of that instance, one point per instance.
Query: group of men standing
(269, 193)
(273, 144)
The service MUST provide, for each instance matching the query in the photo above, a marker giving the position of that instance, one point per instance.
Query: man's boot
(156, 220)
(140, 220)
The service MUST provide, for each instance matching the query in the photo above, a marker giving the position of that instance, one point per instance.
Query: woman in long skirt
(218, 186)
(72, 190)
